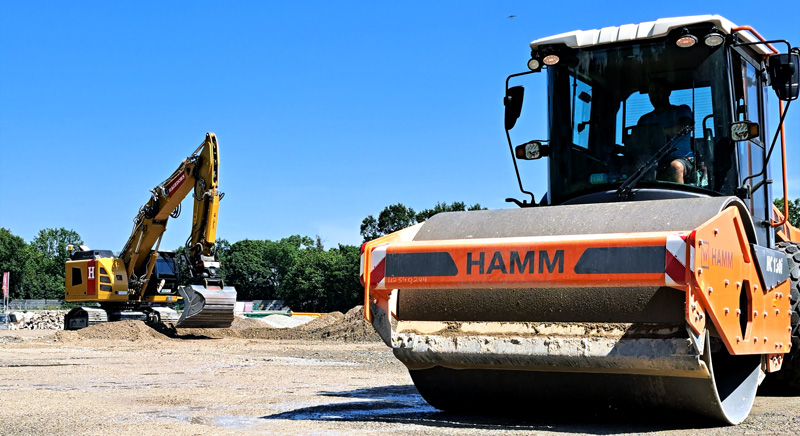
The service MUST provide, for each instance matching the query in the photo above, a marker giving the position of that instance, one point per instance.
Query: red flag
(6, 279)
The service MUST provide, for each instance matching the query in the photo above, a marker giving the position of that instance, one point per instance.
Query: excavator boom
(143, 282)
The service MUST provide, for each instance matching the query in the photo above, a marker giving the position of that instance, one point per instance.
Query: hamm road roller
(654, 272)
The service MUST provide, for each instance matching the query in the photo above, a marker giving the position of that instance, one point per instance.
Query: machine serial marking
(775, 265)
(412, 280)
(515, 264)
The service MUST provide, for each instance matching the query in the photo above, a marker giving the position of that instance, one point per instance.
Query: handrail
(757, 35)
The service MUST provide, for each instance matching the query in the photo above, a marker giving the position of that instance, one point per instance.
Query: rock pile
(44, 320)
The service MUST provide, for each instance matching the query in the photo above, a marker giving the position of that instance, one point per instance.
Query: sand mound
(241, 323)
(118, 331)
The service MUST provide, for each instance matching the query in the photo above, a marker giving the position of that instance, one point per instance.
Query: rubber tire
(787, 380)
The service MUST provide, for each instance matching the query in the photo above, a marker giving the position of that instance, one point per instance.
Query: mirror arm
(516, 170)
(524, 203)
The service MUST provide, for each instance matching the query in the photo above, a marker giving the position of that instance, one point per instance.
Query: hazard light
(551, 60)
(686, 39)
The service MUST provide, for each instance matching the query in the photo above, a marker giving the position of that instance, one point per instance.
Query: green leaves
(297, 270)
(794, 210)
(37, 269)
(397, 217)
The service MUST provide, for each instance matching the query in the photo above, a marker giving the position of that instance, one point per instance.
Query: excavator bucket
(649, 303)
(207, 307)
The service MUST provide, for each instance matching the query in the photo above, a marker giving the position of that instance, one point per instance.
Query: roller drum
(495, 348)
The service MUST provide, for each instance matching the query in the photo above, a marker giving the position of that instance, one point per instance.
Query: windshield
(612, 109)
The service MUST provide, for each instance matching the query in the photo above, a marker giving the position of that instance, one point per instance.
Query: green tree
(456, 206)
(391, 219)
(323, 281)
(257, 268)
(44, 271)
(397, 217)
(14, 255)
(247, 268)
(794, 210)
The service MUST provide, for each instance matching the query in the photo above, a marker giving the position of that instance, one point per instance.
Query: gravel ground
(128, 379)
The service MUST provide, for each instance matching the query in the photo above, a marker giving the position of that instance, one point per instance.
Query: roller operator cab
(687, 95)
(655, 272)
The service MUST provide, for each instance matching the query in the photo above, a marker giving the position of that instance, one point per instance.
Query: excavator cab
(653, 273)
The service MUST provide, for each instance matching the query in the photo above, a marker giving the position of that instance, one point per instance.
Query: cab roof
(641, 31)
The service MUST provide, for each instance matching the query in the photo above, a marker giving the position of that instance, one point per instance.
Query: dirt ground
(329, 377)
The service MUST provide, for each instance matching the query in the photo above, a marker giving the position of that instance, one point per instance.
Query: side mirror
(531, 150)
(744, 130)
(784, 73)
(513, 104)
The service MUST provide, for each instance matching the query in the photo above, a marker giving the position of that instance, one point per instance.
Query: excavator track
(82, 317)
(207, 307)
(504, 348)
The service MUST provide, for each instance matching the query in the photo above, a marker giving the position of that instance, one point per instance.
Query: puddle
(369, 404)
(236, 422)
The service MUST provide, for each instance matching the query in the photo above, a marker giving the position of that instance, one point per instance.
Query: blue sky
(325, 111)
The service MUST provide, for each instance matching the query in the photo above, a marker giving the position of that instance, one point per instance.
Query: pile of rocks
(44, 320)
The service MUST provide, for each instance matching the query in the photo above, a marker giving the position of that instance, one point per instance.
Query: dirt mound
(353, 327)
(350, 327)
(322, 321)
(117, 331)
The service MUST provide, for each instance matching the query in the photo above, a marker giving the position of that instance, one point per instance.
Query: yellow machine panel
(102, 279)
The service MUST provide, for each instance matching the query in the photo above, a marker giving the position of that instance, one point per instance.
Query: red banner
(6, 279)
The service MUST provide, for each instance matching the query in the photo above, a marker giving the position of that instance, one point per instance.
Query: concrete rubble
(40, 320)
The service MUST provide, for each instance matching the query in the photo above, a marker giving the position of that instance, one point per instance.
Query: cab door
(750, 98)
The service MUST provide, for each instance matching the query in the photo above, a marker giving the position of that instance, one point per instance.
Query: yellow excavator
(655, 272)
(143, 283)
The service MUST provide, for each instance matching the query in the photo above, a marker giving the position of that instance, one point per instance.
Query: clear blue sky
(325, 111)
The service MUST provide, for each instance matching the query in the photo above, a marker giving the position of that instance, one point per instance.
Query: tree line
(296, 269)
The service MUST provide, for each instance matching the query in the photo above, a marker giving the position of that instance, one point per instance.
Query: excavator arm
(208, 302)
